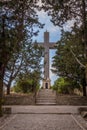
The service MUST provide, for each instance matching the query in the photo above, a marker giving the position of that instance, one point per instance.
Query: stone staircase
(46, 97)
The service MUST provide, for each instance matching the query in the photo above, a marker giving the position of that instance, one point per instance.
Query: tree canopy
(17, 21)
(62, 12)
(69, 50)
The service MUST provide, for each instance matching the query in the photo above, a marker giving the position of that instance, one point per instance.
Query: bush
(26, 86)
(23, 86)
(63, 85)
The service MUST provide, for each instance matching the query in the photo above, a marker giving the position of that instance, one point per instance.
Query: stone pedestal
(46, 84)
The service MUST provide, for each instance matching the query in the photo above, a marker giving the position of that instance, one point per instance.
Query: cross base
(46, 84)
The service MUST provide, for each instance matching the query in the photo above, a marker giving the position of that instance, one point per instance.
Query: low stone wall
(71, 100)
(19, 99)
(30, 100)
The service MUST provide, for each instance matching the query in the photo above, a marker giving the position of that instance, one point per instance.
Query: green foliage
(27, 59)
(28, 82)
(17, 20)
(63, 11)
(75, 12)
(37, 87)
(64, 62)
(64, 86)
(17, 89)
(24, 86)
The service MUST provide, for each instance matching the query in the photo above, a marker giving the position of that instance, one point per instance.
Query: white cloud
(53, 29)
(44, 18)
(39, 3)
(51, 74)
(68, 25)
(42, 15)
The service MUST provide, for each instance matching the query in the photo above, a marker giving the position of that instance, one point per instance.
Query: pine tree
(64, 11)
(17, 19)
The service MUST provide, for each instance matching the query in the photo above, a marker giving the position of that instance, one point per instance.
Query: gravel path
(42, 122)
(37, 118)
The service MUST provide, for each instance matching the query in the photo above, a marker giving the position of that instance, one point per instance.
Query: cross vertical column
(47, 45)
(46, 37)
(46, 81)
(46, 55)
(46, 63)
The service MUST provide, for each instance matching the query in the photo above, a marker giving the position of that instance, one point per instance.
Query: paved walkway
(44, 118)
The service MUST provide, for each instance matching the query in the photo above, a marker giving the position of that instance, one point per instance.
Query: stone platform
(44, 118)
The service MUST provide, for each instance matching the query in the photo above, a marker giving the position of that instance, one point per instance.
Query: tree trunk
(86, 78)
(1, 87)
(1, 95)
(8, 87)
(83, 82)
(8, 90)
(84, 90)
(85, 37)
(84, 86)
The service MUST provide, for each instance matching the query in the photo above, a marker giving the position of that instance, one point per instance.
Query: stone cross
(47, 45)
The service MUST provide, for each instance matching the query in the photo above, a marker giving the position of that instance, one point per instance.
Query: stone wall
(19, 99)
(60, 99)
(71, 100)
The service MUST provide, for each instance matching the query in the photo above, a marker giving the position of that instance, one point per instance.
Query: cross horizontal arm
(39, 44)
(52, 45)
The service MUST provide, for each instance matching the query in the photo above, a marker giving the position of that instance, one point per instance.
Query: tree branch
(78, 61)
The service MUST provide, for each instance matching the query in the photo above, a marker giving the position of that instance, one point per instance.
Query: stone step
(46, 94)
(46, 97)
(46, 90)
(46, 103)
(39, 100)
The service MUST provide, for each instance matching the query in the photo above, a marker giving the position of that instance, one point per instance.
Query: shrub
(64, 85)
(26, 86)
(23, 86)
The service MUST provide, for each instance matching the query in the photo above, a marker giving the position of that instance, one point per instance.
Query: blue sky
(54, 32)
